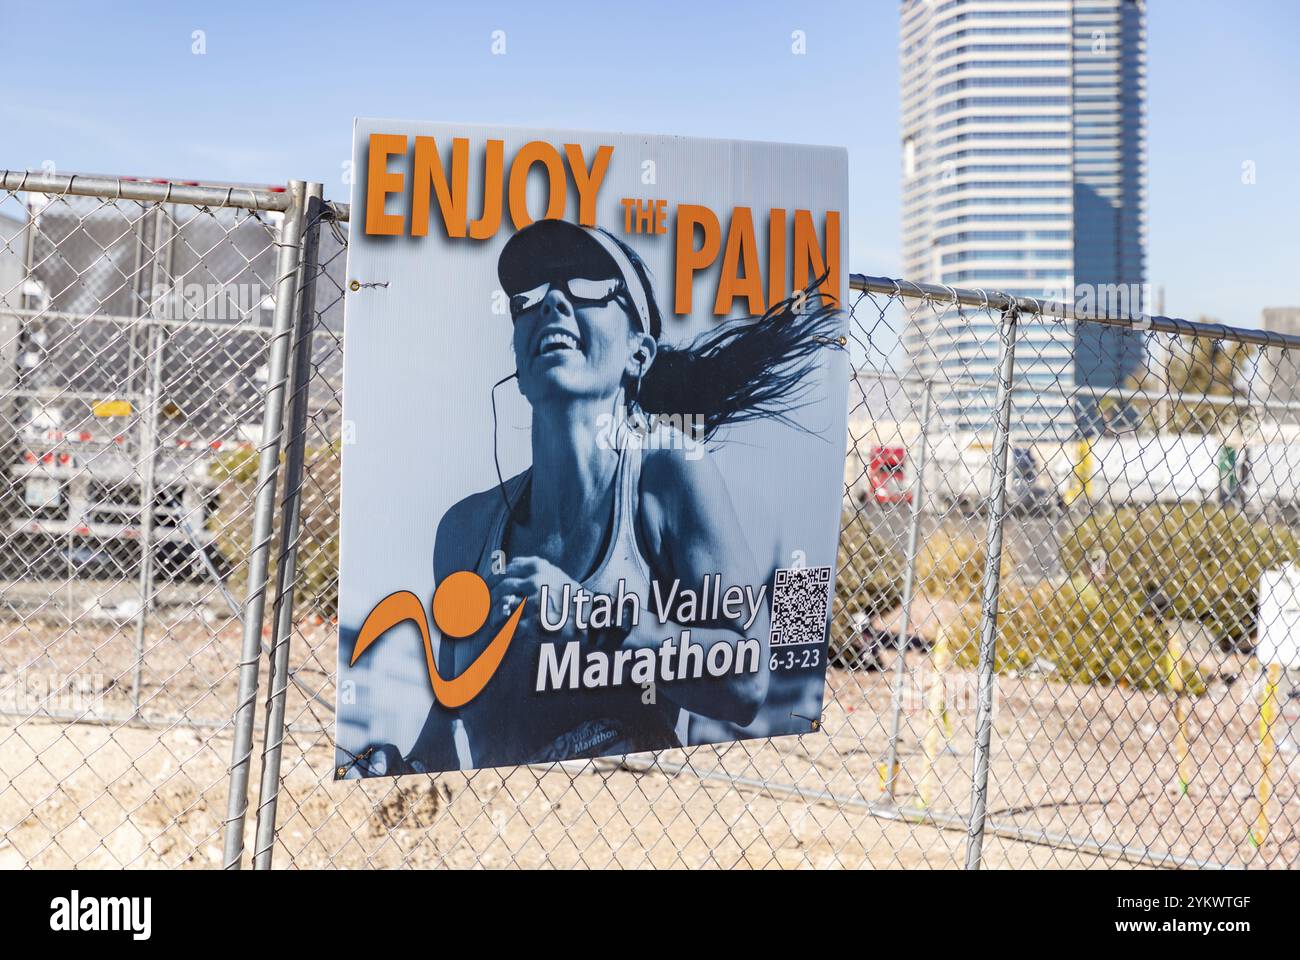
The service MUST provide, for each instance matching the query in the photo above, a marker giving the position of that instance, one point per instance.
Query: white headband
(630, 278)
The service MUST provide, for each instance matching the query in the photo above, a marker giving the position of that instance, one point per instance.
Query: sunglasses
(580, 292)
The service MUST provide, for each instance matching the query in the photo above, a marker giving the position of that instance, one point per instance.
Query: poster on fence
(595, 394)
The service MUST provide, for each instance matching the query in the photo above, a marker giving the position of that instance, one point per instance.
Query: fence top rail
(958, 383)
(279, 199)
(147, 191)
(1055, 310)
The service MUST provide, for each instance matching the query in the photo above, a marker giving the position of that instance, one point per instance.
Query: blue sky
(115, 88)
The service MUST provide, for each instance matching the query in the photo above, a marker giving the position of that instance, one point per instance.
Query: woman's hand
(523, 578)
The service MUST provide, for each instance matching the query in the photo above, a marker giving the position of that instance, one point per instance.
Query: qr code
(800, 597)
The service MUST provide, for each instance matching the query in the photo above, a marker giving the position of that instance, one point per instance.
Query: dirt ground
(1080, 776)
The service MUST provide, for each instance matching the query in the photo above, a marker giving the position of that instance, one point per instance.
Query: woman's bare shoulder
(678, 487)
(688, 521)
(476, 510)
(464, 528)
(667, 471)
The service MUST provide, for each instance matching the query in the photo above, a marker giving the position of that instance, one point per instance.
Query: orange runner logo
(460, 608)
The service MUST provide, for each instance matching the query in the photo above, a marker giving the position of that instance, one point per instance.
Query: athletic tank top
(580, 723)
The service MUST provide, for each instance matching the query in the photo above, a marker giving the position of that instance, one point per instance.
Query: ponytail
(748, 369)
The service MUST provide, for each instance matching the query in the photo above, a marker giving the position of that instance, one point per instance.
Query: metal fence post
(909, 577)
(992, 583)
(155, 338)
(268, 465)
(287, 562)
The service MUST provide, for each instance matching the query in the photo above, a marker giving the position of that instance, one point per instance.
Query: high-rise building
(1024, 172)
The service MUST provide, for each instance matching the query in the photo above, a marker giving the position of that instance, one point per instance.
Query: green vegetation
(1201, 562)
(1077, 632)
(952, 564)
(318, 545)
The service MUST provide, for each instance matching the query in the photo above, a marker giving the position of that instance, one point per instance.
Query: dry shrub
(318, 526)
(1202, 561)
(1079, 631)
(953, 564)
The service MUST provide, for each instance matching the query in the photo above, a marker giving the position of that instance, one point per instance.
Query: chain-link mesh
(133, 336)
(1140, 601)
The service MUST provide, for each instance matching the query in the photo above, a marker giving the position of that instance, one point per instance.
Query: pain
(796, 256)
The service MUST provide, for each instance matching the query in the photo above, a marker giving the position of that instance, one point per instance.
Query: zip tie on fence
(354, 759)
(814, 722)
(840, 342)
(356, 285)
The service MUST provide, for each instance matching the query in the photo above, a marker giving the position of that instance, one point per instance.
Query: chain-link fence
(1063, 632)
